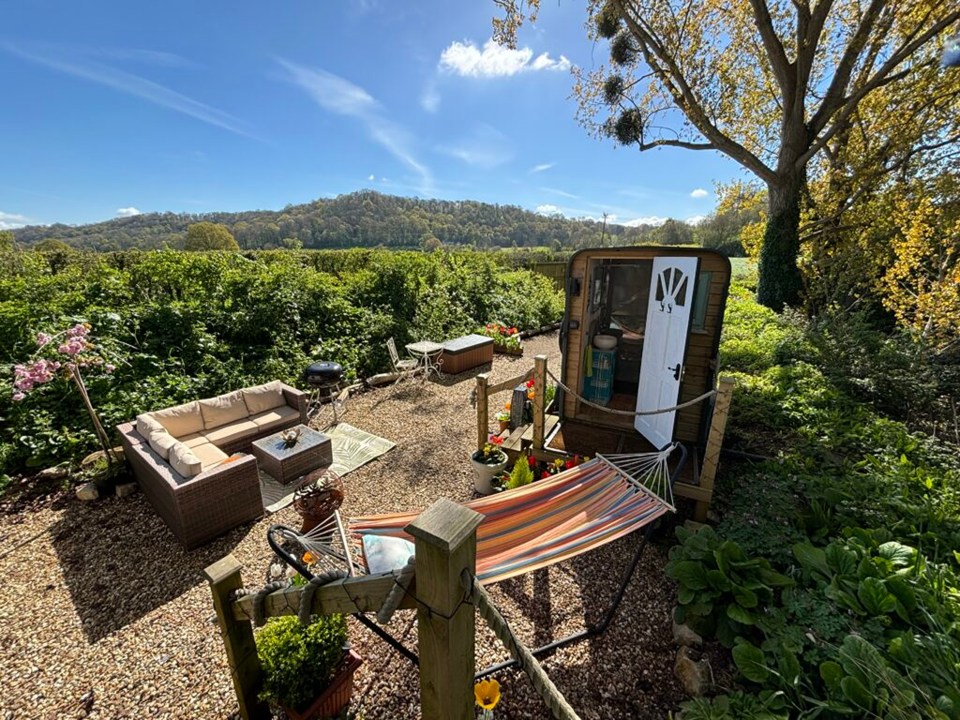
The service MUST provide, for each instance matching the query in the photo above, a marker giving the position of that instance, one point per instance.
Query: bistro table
(428, 355)
(284, 462)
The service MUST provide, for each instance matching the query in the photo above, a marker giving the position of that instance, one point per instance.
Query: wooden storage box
(466, 352)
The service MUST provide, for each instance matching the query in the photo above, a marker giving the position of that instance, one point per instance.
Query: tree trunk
(780, 281)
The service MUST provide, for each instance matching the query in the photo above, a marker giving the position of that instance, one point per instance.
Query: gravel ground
(103, 615)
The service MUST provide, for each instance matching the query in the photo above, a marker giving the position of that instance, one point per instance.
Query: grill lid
(323, 373)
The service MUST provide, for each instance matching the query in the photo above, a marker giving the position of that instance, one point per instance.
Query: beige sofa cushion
(261, 398)
(234, 431)
(184, 460)
(223, 409)
(209, 455)
(181, 420)
(161, 441)
(147, 424)
(275, 417)
(193, 439)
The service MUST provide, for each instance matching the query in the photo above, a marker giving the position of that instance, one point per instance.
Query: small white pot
(484, 474)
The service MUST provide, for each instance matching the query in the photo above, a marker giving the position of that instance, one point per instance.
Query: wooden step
(549, 423)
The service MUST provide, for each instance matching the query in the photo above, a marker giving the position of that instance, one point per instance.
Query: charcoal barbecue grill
(324, 379)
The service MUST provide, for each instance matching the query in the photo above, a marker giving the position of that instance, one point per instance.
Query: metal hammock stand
(632, 467)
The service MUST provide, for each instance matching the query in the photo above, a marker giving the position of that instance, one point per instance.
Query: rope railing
(630, 413)
(544, 686)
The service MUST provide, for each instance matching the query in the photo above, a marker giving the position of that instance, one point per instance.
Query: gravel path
(103, 615)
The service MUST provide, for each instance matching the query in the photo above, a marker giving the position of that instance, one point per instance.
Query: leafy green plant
(722, 592)
(299, 661)
(736, 705)
(521, 474)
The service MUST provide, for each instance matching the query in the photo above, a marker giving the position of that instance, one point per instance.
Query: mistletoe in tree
(62, 356)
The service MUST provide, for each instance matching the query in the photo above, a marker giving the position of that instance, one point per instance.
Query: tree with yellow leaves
(769, 83)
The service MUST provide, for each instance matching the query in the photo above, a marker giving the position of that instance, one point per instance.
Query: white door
(664, 344)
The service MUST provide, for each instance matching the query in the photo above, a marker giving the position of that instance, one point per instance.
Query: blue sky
(113, 108)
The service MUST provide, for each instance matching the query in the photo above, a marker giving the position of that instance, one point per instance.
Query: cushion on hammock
(383, 553)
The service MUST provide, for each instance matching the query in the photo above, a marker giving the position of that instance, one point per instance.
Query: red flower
(532, 461)
(529, 383)
(496, 440)
(569, 464)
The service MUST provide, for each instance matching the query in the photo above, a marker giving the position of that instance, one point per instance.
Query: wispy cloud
(10, 221)
(699, 193)
(430, 99)
(77, 65)
(540, 168)
(495, 60)
(485, 147)
(340, 96)
(127, 212)
(561, 193)
(695, 220)
(149, 57)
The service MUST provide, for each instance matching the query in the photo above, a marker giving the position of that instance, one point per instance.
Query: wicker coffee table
(288, 462)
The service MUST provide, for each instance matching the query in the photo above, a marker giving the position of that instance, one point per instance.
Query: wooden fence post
(445, 535)
(224, 578)
(711, 454)
(539, 399)
(483, 421)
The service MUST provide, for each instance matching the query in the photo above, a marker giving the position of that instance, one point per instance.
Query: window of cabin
(699, 314)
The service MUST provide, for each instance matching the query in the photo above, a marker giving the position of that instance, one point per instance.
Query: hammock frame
(279, 536)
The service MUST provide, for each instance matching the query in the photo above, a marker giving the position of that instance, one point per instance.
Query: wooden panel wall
(700, 364)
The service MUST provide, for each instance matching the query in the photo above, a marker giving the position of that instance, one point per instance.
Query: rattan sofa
(191, 460)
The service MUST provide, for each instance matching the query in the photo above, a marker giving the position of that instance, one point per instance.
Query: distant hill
(361, 219)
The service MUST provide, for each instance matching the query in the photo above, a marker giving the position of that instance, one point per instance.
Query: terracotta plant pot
(337, 695)
(504, 425)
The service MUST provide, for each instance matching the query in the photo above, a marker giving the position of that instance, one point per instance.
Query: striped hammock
(553, 519)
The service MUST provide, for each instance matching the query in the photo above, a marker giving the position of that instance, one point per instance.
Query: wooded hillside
(361, 219)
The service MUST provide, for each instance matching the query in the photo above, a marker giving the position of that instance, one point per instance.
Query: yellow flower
(309, 558)
(487, 693)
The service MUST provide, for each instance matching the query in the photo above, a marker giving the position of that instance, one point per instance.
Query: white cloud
(131, 84)
(540, 168)
(127, 212)
(430, 99)
(10, 221)
(485, 147)
(699, 193)
(494, 60)
(646, 220)
(371, 177)
(548, 209)
(340, 96)
(561, 193)
(695, 220)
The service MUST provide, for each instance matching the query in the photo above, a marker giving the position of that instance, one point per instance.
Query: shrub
(299, 661)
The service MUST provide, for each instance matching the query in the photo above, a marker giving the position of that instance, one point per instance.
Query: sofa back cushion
(161, 441)
(181, 420)
(223, 409)
(184, 461)
(261, 398)
(147, 424)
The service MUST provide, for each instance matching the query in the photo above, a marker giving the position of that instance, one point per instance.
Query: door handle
(676, 371)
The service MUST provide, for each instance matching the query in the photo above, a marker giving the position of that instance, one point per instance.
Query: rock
(694, 675)
(87, 492)
(683, 635)
(53, 473)
(126, 489)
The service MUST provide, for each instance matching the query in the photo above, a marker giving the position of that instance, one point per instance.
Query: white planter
(484, 473)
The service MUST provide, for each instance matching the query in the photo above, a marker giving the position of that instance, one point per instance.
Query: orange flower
(309, 558)
(487, 694)
(506, 405)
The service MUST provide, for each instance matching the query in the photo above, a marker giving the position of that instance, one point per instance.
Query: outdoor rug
(352, 448)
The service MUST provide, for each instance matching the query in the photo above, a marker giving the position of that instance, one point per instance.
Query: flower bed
(506, 340)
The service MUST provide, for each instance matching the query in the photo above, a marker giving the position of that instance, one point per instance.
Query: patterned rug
(352, 448)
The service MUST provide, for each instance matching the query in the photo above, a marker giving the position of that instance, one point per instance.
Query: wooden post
(711, 454)
(539, 399)
(445, 535)
(224, 578)
(483, 421)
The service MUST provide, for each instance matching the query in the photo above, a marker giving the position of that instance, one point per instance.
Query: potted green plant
(487, 462)
(503, 420)
(307, 669)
